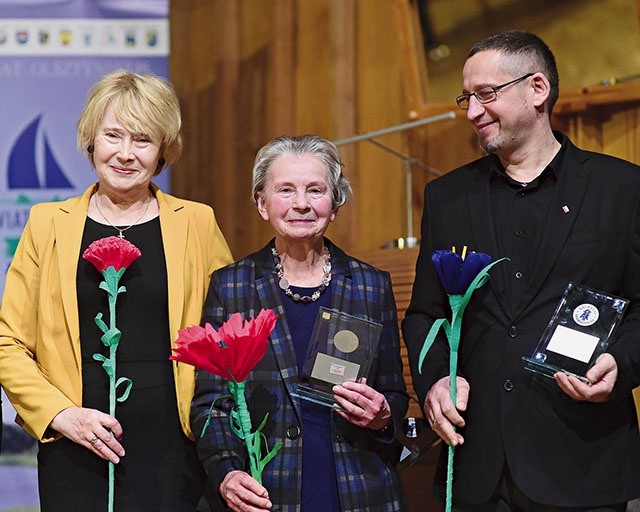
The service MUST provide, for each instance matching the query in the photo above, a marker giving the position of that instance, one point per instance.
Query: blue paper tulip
(456, 273)
(460, 276)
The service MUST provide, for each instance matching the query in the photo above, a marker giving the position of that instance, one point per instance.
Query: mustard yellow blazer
(40, 359)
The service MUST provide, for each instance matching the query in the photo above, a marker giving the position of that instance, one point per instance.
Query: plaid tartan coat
(364, 460)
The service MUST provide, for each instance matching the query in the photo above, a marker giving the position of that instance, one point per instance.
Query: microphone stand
(407, 161)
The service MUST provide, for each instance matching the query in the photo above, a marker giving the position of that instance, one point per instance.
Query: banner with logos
(51, 53)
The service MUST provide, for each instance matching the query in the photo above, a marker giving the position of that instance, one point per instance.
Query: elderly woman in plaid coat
(338, 459)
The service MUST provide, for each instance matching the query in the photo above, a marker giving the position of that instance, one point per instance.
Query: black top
(160, 470)
(519, 212)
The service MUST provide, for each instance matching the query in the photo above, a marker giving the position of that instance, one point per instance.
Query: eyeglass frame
(494, 89)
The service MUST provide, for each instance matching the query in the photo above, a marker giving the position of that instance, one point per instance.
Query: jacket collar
(68, 225)
(69, 222)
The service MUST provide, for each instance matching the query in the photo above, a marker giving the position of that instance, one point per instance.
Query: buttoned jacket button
(508, 385)
(513, 331)
(293, 432)
(518, 275)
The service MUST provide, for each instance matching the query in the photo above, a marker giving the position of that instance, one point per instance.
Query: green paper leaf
(263, 423)
(99, 357)
(107, 365)
(234, 422)
(100, 323)
(129, 384)
(206, 423)
(111, 338)
(431, 337)
(264, 461)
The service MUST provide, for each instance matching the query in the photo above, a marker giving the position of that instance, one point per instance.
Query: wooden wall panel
(248, 71)
(400, 263)
(602, 118)
(380, 186)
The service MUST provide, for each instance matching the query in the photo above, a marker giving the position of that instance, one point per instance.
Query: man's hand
(602, 375)
(442, 414)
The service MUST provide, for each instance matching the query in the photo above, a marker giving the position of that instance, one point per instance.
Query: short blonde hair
(143, 103)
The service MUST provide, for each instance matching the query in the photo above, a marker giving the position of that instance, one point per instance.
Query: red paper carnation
(232, 351)
(112, 251)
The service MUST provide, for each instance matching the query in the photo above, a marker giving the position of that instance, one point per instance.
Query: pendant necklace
(121, 230)
(284, 284)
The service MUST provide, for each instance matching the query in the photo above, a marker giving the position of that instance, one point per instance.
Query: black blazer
(558, 450)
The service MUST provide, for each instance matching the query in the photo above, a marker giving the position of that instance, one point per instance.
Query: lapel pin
(565, 209)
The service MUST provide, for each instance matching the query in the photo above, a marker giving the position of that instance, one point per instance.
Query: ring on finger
(95, 441)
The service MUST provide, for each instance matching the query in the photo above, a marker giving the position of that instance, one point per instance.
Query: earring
(161, 162)
(90, 148)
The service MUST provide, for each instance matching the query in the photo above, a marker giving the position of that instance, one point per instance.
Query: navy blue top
(319, 485)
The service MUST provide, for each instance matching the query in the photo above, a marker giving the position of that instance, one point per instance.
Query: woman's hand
(92, 429)
(362, 405)
(243, 493)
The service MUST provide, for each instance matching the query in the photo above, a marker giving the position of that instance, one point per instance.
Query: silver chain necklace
(121, 230)
(284, 284)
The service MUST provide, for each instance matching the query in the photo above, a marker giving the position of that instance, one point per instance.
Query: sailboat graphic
(23, 171)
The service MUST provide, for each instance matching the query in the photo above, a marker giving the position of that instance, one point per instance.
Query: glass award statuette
(578, 332)
(342, 348)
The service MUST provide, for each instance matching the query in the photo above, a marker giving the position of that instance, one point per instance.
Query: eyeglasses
(486, 94)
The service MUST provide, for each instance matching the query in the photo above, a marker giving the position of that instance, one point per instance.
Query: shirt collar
(551, 171)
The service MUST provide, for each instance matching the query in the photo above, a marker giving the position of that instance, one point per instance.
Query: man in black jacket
(560, 214)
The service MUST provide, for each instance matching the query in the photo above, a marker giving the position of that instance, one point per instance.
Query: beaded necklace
(284, 284)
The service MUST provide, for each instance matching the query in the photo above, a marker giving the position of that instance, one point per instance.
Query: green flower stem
(240, 421)
(458, 306)
(111, 339)
(244, 421)
(112, 355)
(113, 295)
(453, 330)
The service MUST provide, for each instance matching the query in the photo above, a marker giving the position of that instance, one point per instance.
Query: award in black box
(342, 348)
(579, 331)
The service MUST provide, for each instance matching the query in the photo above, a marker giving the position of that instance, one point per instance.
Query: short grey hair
(308, 144)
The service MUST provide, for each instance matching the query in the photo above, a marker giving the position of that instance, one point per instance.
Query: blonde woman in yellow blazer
(41, 353)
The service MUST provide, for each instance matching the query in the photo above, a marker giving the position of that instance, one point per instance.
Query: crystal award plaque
(578, 332)
(342, 348)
